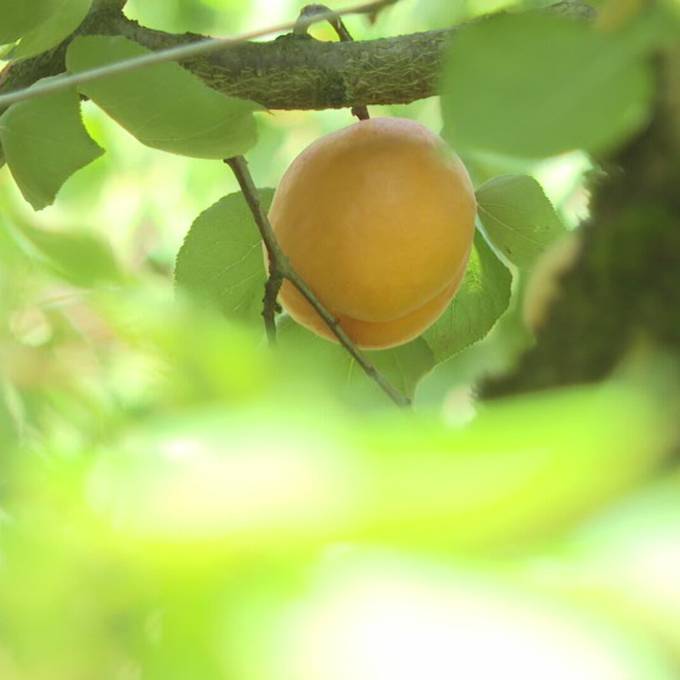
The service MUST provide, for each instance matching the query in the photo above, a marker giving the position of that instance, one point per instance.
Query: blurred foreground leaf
(8, 425)
(378, 615)
(272, 478)
(189, 520)
(625, 560)
(535, 85)
(80, 257)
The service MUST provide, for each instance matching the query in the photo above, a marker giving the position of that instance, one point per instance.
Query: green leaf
(68, 15)
(80, 258)
(45, 142)
(20, 16)
(164, 106)
(403, 366)
(518, 217)
(221, 261)
(534, 85)
(483, 296)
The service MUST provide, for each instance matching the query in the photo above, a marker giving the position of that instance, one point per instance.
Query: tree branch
(244, 60)
(239, 167)
(361, 112)
(291, 72)
(285, 270)
(625, 285)
(299, 72)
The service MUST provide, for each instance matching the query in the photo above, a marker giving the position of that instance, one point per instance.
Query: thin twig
(302, 24)
(239, 167)
(285, 270)
(270, 305)
(194, 49)
(368, 368)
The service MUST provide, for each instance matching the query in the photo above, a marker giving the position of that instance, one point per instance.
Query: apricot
(378, 218)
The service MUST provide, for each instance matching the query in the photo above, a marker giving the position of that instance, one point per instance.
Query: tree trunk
(625, 285)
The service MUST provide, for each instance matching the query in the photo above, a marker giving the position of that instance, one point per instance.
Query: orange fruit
(378, 218)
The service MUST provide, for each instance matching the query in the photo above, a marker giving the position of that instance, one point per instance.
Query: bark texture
(625, 285)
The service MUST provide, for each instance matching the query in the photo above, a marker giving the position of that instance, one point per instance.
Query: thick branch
(299, 72)
(291, 72)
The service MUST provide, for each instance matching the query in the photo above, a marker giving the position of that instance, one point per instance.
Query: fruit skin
(378, 218)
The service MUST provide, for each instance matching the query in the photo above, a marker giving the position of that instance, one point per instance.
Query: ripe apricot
(378, 218)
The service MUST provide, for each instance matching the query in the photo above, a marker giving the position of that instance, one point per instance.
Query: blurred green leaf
(209, 17)
(45, 142)
(81, 258)
(627, 557)
(301, 474)
(21, 16)
(212, 359)
(534, 85)
(164, 106)
(8, 424)
(222, 261)
(387, 615)
(483, 296)
(518, 217)
(522, 469)
(61, 23)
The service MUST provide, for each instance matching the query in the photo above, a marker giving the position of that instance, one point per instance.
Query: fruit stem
(335, 20)
(280, 269)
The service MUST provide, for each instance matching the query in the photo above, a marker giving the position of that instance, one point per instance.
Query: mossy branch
(292, 72)
(625, 286)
